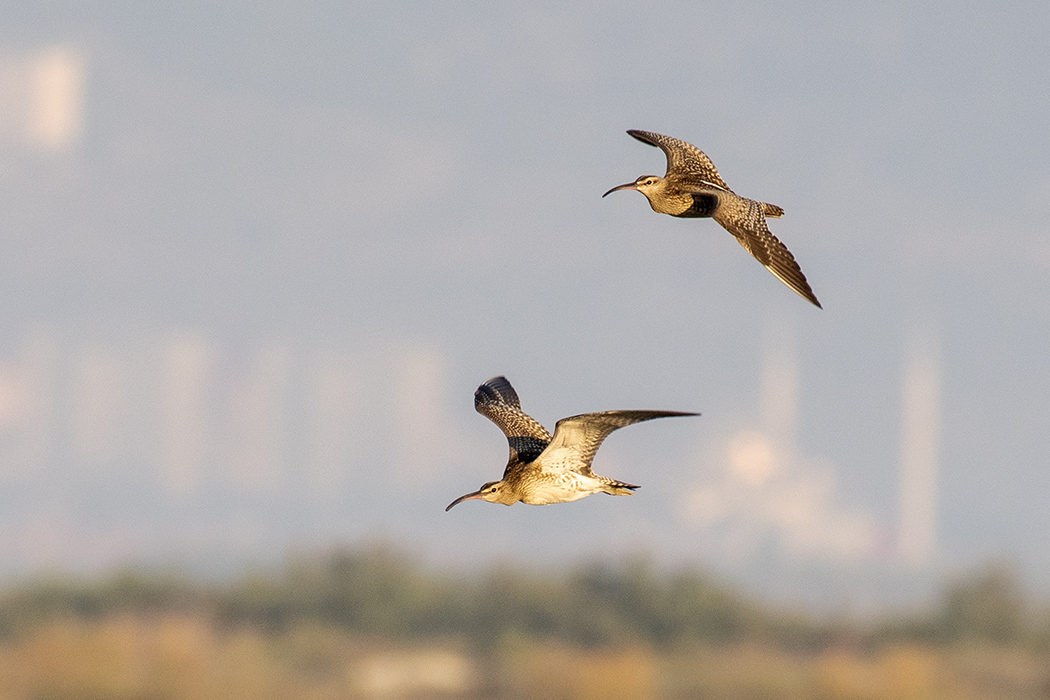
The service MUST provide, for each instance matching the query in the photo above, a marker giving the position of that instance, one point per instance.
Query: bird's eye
(492, 490)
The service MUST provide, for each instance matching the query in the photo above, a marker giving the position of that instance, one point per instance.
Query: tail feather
(617, 488)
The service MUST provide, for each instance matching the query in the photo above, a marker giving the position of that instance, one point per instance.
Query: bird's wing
(497, 390)
(577, 438)
(685, 161)
(744, 218)
(497, 401)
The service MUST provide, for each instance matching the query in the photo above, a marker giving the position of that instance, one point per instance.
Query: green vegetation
(375, 623)
(383, 593)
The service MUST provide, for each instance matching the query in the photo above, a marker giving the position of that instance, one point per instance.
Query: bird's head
(644, 184)
(493, 492)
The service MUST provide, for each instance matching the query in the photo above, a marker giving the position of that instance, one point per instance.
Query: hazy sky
(424, 183)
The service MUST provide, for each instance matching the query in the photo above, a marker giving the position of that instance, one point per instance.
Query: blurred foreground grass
(372, 624)
(178, 656)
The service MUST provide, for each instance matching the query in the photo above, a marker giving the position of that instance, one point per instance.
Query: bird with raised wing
(544, 468)
(693, 188)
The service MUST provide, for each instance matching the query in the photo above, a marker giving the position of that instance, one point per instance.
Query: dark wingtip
(641, 135)
(498, 390)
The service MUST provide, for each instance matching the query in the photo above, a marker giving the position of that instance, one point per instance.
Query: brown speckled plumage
(692, 188)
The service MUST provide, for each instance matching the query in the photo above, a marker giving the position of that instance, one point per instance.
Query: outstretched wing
(745, 219)
(685, 162)
(497, 401)
(577, 438)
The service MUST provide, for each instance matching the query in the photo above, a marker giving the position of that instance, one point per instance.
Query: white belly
(568, 487)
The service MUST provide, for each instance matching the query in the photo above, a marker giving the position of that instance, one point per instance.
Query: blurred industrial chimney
(920, 436)
(41, 98)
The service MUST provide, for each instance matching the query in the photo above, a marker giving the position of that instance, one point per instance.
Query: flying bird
(693, 188)
(544, 468)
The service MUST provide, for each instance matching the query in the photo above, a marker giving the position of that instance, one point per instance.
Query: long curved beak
(628, 186)
(467, 497)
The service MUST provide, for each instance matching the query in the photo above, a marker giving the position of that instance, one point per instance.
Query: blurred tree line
(384, 593)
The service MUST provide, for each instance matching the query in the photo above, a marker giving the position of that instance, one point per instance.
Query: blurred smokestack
(42, 98)
(917, 526)
(779, 392)
(57, 98)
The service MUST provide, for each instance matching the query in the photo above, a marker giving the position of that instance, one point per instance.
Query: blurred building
(763, 497)
(42, 98)
(336, 422)
(155, 441)
(185, 388)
